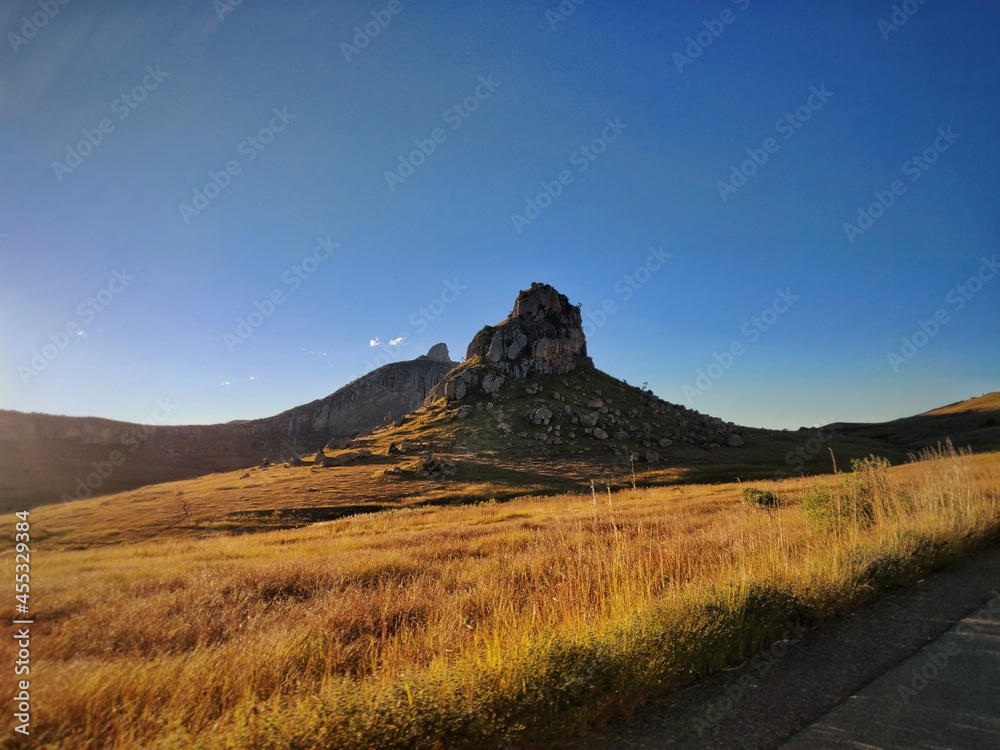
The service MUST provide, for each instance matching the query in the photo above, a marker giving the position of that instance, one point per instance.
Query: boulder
(491, 383)
(542, 415)
(342, 458)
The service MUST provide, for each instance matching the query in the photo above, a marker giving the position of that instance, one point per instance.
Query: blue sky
(119, 285)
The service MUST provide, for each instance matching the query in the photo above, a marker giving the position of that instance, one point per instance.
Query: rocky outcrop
(438, 353)
(394, 389)
(543, 335)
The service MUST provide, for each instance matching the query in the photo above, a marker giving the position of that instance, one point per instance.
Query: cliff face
(396, 389)
(43, 457)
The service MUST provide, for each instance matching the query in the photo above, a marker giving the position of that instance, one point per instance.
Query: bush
(855, 500)
(761, 498)
(820, 507)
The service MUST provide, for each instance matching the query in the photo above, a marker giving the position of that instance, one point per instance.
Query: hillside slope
(974, 423)
(45, 458)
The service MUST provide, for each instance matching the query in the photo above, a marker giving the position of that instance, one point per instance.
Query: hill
(974, 423)
(526, 413)
(46, 458)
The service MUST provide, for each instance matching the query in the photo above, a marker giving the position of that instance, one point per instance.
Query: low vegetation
(761, 498)
(458, 626)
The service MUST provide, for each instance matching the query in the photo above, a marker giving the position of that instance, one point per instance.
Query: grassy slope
(975, 423)
(988, 402)
(490, 466)
(459, 626)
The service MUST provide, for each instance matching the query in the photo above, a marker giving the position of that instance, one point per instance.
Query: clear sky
(397, 171)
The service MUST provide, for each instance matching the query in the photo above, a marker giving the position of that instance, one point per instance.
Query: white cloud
(397, 342)
(225, 382)
(253, 377)
(375, 341)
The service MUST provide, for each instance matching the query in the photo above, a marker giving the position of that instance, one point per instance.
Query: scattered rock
(542, 415)
(434, 467)
(342, 459)
(733, 440)
(652, 457)
(666, 442)
(589, 420)
(600, 434)
(595, 403)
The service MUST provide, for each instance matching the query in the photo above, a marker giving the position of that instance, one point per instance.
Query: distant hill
(45, 458)
(973, 423)
(986, 403)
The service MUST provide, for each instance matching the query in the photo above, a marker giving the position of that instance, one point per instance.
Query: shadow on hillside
(275, 519)
(977, 430)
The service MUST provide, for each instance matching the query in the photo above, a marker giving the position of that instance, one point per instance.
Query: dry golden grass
(458, 626)
(988, 402)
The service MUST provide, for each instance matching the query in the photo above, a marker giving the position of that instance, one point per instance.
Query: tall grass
(464, 626)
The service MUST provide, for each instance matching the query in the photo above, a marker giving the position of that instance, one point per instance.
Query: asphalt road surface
(919, 668)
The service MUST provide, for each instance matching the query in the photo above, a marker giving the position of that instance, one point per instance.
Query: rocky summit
(543, 335)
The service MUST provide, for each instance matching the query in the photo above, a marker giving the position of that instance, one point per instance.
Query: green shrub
(820, 507)
(855, 500)
(761, 498)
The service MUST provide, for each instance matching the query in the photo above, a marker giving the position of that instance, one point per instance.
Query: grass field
(465, 626)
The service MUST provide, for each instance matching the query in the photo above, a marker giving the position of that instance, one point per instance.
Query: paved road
(851, 684)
